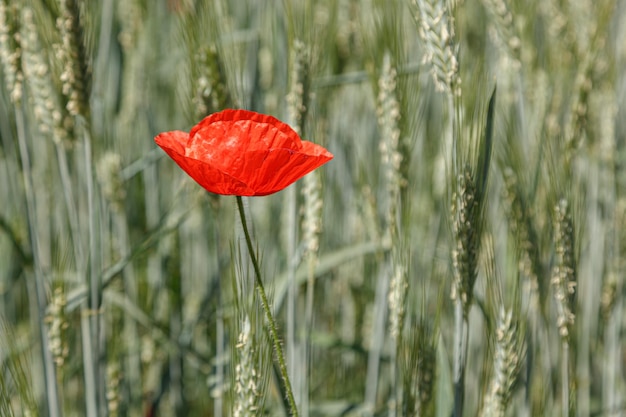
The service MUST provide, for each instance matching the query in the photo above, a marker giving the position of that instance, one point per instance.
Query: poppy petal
(246, 130)
(176, 141)
(238, 152)
(281, 168)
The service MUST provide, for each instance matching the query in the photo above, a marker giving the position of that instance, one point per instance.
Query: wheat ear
(564, 290)
(436, 29)
(507, 363)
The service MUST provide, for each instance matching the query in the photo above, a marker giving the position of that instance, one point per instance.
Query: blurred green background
(125, 288)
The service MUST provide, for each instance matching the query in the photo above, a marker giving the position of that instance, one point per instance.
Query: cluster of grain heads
(250, 349)
(36, 69)
(609, 296)
(468, 208)
(13, 60)
(61, 234)
(564, 275)
(391, 282)
(526, 239)
(212, 64)
(52, 118)
(109, 170)
(299, 348)
(299, 86)
(270, 321)
(312, 216)
(247, 385)
(10, 49)
(564, 272)
(398, 285)
(504, 26)
(210, 89)
(507, 361)
(57, 327)
(418, 367)
(75, 81)
(466, 229)
(297, 101)
(436, 29)
(76, 76)
(388, 112)
(113, 392)
(130, 16)
(114, 192)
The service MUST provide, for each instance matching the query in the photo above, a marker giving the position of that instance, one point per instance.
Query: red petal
(283, 167)
(238, 152)
(244, 130)
(213, 180)
(174, 141)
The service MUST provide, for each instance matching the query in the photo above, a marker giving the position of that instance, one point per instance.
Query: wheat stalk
(57, 327)
(76, 80)
(246, 379)
(418, 360)
(210, 90)
(297, 100)
(468, 207)
(47, 109)
(520, 224)
(564, 272)
(388, 111)
(299, 88)
(76, 77)
(504, 23)
(109, 170)
(507, 363)
(114, 396)
(130, 16)
(465, 213)
(436, 28)
(564, 289)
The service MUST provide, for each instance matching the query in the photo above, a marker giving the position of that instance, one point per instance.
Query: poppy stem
(273, 331)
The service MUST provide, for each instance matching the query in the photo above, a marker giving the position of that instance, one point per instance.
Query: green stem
(565, 383)
(49, 371)
(461, 335)
(273, 332)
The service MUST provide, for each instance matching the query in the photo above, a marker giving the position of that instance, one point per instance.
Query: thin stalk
(219, 353)
(377, 341)
(460, 321)
(72, 214)
(132, 366)
(308, 318)
(565, 383)
(220, 334)
(461, 327)
(272, 328)
(50, 382)
(93, 338)
(292, 347)
(89, 362)
(107, 17)
(612, 396)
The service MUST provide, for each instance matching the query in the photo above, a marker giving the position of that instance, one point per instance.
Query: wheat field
(463, 254)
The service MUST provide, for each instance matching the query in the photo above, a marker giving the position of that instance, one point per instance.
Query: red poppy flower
(239, 152)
